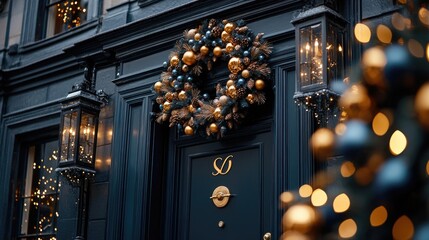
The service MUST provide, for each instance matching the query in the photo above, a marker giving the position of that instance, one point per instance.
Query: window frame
(35, 22)
(20, 191)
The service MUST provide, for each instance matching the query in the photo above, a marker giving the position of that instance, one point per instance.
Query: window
(38, 195)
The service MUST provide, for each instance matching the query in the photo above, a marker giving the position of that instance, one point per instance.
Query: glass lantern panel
(311, 55)
(87, 138)
(335, 53)
(68, 137)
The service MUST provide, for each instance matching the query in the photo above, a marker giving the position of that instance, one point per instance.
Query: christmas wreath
(189, 67)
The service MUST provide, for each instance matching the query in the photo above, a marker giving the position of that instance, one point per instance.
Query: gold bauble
(229, 83)
(173, 83)
(217, 114)
(166, 105)
(301, 218)
(250, 98)
(185, 68)
(229, 27)
(322, 143)
(169, 96)
(229, 47)
(174, 61)
(191, 108)
(421, 105)
(356, 103)
(245, 73)
(157, 86)
(223, 100)
(182, 95)
(204, 50)
(189, 130)
(197, 37)
(217, 51)
(191, 33)
(259, 84)
(189, 58)
(225, 36)
(214, 128)
(235, 65)
(232, 91)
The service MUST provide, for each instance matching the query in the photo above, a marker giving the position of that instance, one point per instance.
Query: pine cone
(212, 23)
(241, 93)
(236, 117)
(216, 32)
(246, 61)
(195, 103)
(233, 76)
(245, 42)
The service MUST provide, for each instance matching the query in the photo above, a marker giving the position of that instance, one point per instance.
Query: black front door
(226, 188)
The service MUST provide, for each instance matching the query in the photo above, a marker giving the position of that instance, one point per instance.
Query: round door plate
(220, 196)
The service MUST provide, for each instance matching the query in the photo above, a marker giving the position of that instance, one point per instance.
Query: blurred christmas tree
(378, 188)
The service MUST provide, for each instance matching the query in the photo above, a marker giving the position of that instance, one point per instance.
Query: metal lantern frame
(81, 104)
(328, 20)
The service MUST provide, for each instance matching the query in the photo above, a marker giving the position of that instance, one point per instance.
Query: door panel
(246, 168)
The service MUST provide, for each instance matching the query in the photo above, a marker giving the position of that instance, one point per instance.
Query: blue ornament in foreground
(392, 176)
(355, 139)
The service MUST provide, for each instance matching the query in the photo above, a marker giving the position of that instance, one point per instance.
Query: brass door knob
(267, 236)
(220, 196)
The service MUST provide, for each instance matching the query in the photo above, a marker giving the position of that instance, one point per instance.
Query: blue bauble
(180, 78)
(399, 64)
(170, 78)
(244, 104)
(355, 139)
(240, 82)
(174, 72)
(161, 106)
(190, 79)
(208, 33)
(214, 43)
(201, 42)
(246, 53)
(205, 96)
(164, 64)
(392, 176)
(191, 41)
(198, 110)
(422, 232)
(261, 57)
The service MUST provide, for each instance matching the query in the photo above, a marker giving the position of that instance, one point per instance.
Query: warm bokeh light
(427, 51)
(399, 22)
(398, 143)
(287, 197)
(362, 33)
(319, 197)
(415, 48)
(305, 191)
(421, 105)
(347, 169)
(356, 103)
(403, 228)
(384, 34)
(427, 168)
(347, 228)
(380, 124)
(294, 235)
(424, 16)
(378, 216)
(340, 129)
(322, 143)
(364, 176)
(341, 203)
(301, 218)
(374, 57)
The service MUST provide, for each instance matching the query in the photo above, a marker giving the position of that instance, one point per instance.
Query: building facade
(151, 181)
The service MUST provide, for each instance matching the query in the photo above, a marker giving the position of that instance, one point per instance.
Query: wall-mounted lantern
(320, 55)
(78, 140)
